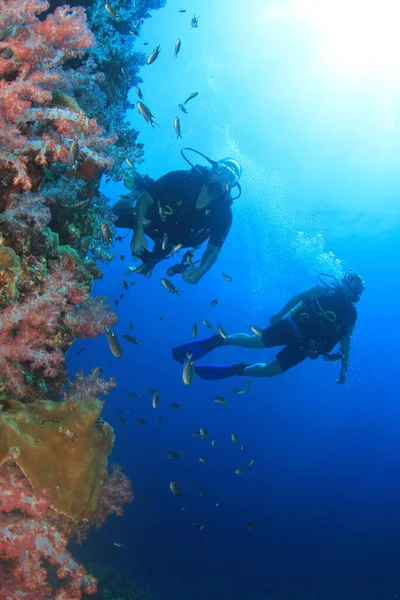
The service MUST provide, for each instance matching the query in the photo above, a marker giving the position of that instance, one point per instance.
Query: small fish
(177, 127)
(226, 276)
(106, 233)
(222, 332)
(164, 244)
(204, 433)
(257, 330)
(7, 53)
(175, 455)
(145, 43)
(143, 498)
(118, 238)
(121, 295)
(80, 351)
(220, 400)
(124, 284)
(113, 343)
(195, 21)
(201, 493)
(142, 422)
(191, 97)
(177, 47)
(207, 324)
(134, 32)
(243, 447)
(112, 12)
(161, 318)
(194, 330)
(125, 74)
(177, 248)
(213, 443)
(123, 421)
(238, 391)
(119, 545)
(6, 32)
(183, 10)
(203, 459)
(139, 93)
(250, 526)
(169, 286)
(121, 257)
(173, 486)
(146, 113)
(214, 302)
(116, 302)
(188, 370)
(182, 108)
(155, 400)
(129, 163)
(134, 395)
(234, 438)
(160, 418)
(130, 270)
(251, 463)
(198, 526)
(176, 405)
(132, 340)
(248, 384)
(239, 470)
(131, 326)
(145, 222)
(154, 55)
(74, 155)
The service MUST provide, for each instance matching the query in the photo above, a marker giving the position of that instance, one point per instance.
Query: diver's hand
(342, 377)
(274, 319)
(138, 245)
(193, 275)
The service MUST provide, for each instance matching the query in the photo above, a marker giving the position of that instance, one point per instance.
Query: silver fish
(257, 330)
(113, 343)
(177, 127)
(155, 398)
(177, 47)
(188, 370)
(170, 286)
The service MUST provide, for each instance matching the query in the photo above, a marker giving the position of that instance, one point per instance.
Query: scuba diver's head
(353, 286)
(228, 170)
(223, 174)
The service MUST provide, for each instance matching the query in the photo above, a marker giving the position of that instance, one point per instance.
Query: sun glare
(357, 37)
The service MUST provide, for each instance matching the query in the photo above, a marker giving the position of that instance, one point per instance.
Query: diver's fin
(197, 348)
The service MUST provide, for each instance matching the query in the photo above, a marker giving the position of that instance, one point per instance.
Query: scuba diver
(183, 209)
(319, 318)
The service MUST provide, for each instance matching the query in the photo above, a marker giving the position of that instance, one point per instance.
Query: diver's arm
(345, 344)
(309, 294)
(209, 257)
(142, 206)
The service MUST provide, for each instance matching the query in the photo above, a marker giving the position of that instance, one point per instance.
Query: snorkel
(353, 282)
(218, 167)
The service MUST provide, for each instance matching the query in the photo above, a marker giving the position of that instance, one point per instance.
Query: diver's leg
(244, 341)
(271, 369)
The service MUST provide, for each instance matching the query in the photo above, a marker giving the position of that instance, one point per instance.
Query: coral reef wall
(65, 74)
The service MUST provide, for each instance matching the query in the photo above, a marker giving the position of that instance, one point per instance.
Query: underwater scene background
(294, 91)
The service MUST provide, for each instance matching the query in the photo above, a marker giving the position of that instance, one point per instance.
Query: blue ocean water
(316, 134)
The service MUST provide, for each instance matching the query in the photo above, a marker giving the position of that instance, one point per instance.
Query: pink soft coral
(42, 135)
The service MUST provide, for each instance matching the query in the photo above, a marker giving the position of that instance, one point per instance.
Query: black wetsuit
(313, 329)
(176, 193)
